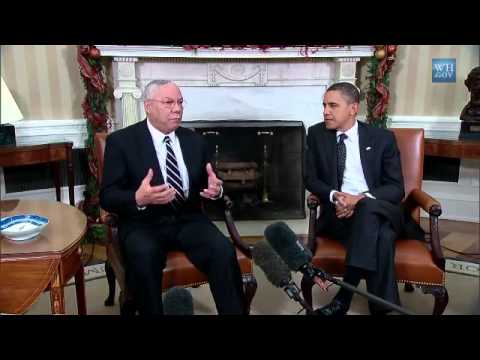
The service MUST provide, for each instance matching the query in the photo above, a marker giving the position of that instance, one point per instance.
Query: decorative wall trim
(45, 194)
(32, 132)
(459, 200)
(436, 127)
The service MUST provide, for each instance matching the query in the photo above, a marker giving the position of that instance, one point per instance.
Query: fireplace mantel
(223, 84)
(140, 51)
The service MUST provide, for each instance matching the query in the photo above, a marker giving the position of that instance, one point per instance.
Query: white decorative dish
(22, 227)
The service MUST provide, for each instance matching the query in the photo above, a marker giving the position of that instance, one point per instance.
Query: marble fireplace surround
(231, 84)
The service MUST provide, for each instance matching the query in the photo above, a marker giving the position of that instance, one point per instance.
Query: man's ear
(355, 108)
(146, 106)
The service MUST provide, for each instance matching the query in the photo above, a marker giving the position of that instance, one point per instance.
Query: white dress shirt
(161, 150)
(354, 182)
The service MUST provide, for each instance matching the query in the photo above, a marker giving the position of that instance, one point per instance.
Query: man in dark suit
(155, 174)
(355, 171)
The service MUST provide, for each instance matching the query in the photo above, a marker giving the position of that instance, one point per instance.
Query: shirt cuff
(331, 196)
(219, 195)
(366, 193)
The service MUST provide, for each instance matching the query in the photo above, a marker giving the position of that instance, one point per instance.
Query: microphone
(177, 301)
(295, 255)
(298, 258)
(277, 271)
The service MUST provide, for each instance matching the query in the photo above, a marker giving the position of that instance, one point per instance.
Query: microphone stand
(313, 271)
(293, 292)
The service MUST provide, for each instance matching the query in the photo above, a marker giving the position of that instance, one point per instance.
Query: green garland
(378, 94)
(95, 111)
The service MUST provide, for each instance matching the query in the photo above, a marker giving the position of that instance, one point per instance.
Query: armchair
(416, 263)
(179, 271)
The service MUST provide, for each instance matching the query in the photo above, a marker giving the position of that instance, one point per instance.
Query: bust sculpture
(471, 112)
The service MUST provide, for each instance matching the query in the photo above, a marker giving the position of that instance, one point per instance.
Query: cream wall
(44, 80)
(411, 87)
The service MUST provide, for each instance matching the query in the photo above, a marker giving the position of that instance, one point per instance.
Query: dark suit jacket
(381, 165)
(129, 153)
(381, 162)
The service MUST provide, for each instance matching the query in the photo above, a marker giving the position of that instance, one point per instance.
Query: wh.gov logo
(444, 70)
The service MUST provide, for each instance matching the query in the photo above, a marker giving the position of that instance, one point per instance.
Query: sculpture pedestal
(470, 130)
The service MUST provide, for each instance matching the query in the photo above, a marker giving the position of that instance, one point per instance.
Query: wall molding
(45, 194)
(436, 127)
(459, 200)
(32, 132)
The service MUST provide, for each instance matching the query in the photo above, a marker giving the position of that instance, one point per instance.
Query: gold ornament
(380, 54)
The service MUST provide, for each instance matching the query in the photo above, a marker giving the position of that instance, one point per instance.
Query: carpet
(92, 272)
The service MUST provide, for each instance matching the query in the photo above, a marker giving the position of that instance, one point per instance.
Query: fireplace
(261, 165)
(260, 156)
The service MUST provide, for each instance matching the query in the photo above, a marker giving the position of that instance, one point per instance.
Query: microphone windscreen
(285, 243)
(177, 301)
(276, 271)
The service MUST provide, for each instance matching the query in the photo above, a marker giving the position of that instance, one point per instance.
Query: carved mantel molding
(217, 53)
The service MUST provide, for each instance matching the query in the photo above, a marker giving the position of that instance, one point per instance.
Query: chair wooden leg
(441, 298)
(250, 285)
(111, 284)
(408, 287)
(307, 286)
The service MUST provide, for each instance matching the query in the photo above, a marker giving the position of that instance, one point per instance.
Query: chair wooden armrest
(313, 204)
(434, 209)
(232, 229)
(426, 202)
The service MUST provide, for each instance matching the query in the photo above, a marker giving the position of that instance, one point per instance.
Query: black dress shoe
(335, 308)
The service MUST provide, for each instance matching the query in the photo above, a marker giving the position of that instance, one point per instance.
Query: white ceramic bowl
(22, 227)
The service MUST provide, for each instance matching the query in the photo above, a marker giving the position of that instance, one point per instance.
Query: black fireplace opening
(261, 165)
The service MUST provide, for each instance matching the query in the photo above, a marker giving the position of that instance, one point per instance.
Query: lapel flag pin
(368, 148)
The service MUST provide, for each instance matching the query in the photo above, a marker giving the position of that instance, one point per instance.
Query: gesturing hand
(214, 184)
(146, 194)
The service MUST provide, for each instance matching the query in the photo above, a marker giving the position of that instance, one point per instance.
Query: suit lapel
(366, 143)
(149, 155)
(331, 153)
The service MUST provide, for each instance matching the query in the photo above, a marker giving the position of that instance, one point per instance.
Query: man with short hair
(355, 171)
(155, 175)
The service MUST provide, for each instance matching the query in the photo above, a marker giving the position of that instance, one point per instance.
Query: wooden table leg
(80, 289)
(57, 298)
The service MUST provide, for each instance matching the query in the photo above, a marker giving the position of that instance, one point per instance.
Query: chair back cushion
(411, 146)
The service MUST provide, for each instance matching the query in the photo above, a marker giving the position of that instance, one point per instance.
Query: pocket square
(368, 148)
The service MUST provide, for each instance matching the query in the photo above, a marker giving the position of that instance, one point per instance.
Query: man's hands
(345, 204)
(323, 284)
(146, 194)
(214, 185)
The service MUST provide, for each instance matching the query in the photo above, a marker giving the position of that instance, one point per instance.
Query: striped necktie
(173, 175)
